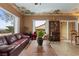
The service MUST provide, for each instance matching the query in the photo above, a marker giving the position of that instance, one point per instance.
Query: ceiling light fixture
(37, 3)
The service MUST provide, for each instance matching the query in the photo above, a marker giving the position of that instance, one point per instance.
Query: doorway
(66, 27)
(41, 25)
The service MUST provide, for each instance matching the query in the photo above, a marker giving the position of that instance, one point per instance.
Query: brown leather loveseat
(12, 45)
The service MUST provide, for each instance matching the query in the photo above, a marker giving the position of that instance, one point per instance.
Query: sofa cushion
(18, 36)
(10, 39)
(3, 41)
(19, 42)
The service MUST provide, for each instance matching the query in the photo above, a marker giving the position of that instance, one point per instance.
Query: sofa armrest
(6, 48)
(25, 36)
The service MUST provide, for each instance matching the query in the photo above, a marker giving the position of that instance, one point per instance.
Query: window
(7, 22)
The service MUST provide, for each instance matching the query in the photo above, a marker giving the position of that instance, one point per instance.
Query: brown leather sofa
(12, 45)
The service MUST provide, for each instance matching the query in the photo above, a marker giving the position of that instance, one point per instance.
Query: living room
(61, 21)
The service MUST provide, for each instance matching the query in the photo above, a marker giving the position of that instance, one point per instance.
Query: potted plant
(40, 39)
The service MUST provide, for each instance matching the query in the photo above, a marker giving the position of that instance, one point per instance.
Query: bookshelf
(54, 30)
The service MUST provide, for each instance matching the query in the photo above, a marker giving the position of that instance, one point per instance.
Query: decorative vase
(40, 41)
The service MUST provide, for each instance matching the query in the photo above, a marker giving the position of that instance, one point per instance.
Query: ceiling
(31, 8)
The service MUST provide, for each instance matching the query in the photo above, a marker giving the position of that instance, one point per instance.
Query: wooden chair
(77, 39)
(73, 36)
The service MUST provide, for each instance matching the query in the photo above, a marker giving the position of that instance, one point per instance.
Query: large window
(7, 22)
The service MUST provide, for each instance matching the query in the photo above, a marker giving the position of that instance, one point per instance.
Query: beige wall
(63, 30)
(10, 8)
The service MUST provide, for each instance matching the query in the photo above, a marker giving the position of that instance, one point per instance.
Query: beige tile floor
(35, 50)
(63, 48)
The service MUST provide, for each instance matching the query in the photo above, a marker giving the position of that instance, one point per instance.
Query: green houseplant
(40, 40)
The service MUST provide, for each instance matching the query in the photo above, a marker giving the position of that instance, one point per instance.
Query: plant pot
(40, 41)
